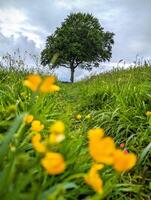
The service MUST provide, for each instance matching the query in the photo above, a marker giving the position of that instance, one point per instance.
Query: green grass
(117, 102)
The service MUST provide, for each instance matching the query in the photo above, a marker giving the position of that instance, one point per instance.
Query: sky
(25, 24)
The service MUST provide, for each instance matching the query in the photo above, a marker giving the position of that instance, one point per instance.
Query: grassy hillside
(116, 101)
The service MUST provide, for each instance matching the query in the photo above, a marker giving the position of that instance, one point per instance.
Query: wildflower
(33, 82)
(57, 127)
(78, 117)
(36, 83)
(148, 113)
(95, 133)
(53, 163)
(37, 126)
(122, 145)
(123, 162)
(56, 138)
(93, 179)
(125, 151)
(101, 148)
(48, 85)
(88, 116)
(28, 119)
(57, 132)
(37, 144)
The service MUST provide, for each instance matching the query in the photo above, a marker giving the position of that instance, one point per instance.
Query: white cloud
(21, 42)
(30, 22)
(14, 22)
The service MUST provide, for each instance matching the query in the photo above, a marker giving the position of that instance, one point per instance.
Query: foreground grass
(117, 102)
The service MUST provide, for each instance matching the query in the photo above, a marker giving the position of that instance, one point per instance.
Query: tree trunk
(72, 75)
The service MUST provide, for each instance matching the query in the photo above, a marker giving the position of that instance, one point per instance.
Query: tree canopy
(80, 41)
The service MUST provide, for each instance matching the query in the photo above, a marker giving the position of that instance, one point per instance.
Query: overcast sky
(25, 24)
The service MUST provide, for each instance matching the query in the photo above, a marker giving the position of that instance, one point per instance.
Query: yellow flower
(37, 126)
(33, 82)
(28, 118)
(88, 116)
(57, 132)
(95, 133)
(93, 179)
(148, 113)
(123, 162)
(37, 144)
(53, 163)
(101, 148)
(48, 85)
(57, 127)
(78, 117)
(36, 83)
(56, 138)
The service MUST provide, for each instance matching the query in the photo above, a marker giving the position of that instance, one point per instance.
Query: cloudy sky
(25, 24)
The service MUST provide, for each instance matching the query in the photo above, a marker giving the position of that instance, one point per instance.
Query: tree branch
(65, 66)
(77, 63)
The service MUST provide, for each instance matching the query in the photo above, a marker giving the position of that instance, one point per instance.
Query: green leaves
(144, 153)
(5, 145)
(80, 40)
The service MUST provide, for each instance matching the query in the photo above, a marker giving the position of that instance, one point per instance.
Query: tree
(80, 41)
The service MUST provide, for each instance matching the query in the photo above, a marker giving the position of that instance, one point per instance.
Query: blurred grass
(117, 102)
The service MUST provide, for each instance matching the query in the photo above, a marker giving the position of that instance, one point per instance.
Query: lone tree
(80, 41)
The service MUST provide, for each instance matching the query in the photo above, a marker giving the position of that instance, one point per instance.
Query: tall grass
(117, 101)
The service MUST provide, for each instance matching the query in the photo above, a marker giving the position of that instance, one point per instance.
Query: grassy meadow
(115, 101)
